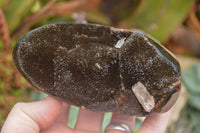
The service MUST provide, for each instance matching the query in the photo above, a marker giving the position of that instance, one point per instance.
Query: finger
(89, 121)
(155, 123)
(31, 117)
(121, 119)
(58, 128)
(63, 117)
(60, 124)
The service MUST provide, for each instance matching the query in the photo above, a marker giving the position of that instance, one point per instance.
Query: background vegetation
(174, 23)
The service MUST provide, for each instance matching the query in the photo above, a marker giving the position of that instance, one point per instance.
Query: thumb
(33, 116)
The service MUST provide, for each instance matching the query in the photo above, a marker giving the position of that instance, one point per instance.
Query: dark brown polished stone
(100, 68)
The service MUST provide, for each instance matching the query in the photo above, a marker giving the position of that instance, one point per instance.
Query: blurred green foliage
(190, 115)
(161, 17)
(16, 10)
(73, 114)
(191, 78)
(157, 17)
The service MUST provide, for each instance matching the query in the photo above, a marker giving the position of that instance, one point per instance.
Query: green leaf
(138, 124)
(36, 96)
(191, 79)
(160, 17)
(106, 120)
(73, 114)
(16, 10)
(36, 7)
(194, 101)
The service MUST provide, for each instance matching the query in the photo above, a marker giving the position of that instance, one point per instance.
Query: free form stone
(97, 67)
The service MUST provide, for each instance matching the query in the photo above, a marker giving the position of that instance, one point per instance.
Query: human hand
(51, 116)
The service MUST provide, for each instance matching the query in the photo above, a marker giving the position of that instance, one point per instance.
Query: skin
(51, 115)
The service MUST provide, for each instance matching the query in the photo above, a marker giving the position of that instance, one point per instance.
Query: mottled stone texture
(96, 67)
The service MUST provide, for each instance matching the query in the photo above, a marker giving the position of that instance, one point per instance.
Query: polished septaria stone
(100, 68)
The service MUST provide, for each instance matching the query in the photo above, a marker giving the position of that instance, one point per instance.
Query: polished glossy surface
(98, 67)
